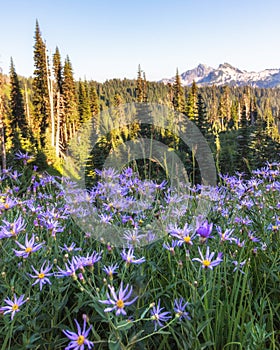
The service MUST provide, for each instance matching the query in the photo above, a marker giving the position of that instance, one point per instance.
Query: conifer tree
(41, 98)
(234, 114)
(94, 107)
(258, 142)
(191, 105)
(243, 143)
(253, 111)
(268, 118)
(57, 70)
(213, 110)
(224, 110)
(145, 89)
(18, 123)
(58, 99)
(70, 103)
(84, 109)
(139, 86)
(202, 121)
(2, 126)
(94, 103)
(179, 102)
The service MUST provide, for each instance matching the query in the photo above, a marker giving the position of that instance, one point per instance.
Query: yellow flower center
(155, 317)
(13, 232)
(41, 275)
(120, 304)
(28, 250)
(6, 205)
(15, 307)
(206, 263)
(80, 340)
(187, 239)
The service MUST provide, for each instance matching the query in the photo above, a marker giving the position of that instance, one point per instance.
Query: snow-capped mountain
(226, 74)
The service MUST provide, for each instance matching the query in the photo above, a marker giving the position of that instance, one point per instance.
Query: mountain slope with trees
(42, 114)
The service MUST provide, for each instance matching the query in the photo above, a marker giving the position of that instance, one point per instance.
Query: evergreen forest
(42, 113)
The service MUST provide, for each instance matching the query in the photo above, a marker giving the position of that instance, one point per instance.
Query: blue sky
(108, 39)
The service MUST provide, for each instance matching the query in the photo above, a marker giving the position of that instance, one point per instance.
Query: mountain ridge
(226, 74)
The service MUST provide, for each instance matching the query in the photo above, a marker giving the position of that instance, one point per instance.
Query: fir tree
(139, 86)
(94, 102)
(258, 142)
(179, 102)
(243, 143)
(202, 121)
(84, 109)
(57, 70)
(58, 99)
(234, 114)
(41, 98)
(2, 125)
(18, 123)
(213, 110)
(145, 89)
(224, 110)
(70, 103)
(191, 106)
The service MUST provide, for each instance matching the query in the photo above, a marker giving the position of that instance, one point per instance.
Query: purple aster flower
(12, 229)
(276, 225)
(110, 270)
(79, 340)
(69, 271)
(171, 247)
(133, 237)
(238, 266)
(253, 238)
(53, 226)
(184, 235)
(128, 172)
(15, 175)
(226, 235)
(207, 260)
(239, 243)
(24, 156)
(28, 248)
(13, 306)
(130, 258)
(42, 276)
(107, 174)
(172, 198)
(180, 309)
(106, 219)
(158, 316)
(89, 260)
(71, 248)
(9, 203)
(244, 221)
(204, 230)
(119, 301)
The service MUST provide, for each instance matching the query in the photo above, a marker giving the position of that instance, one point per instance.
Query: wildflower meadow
(178, 280)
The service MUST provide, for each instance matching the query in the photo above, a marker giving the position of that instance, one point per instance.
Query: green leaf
(124, 325)
(113, 343)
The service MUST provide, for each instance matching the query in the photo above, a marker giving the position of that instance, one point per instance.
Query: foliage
(234, 304)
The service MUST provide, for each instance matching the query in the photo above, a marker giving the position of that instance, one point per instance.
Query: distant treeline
(42, 114)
